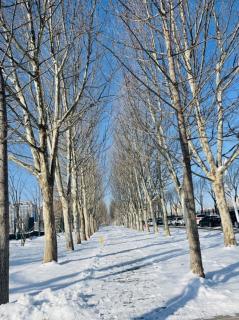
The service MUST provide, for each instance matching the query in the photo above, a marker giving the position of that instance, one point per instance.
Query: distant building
(27, 212)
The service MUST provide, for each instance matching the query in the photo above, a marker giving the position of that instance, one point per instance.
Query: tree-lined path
(122, 114)
(123, 274)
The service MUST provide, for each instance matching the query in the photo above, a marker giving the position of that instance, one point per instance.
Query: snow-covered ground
(123, 274)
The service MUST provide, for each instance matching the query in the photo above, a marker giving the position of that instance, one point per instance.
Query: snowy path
(123, 274)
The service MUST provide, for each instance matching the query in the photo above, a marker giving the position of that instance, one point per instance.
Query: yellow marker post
(102, 241)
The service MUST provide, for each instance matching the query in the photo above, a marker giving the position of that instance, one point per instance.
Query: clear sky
(111, 69)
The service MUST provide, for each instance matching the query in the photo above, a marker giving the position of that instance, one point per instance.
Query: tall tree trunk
(130, 220)
(218, 188)
(76, 218)
(4, 202)
(234, 201)
(192, 230)
(84, 205)
(91, 224)
(65, 209)
(86, 219)
(165, 215)
(134, 213)
(16, 208)
(39, 221)
(140, 219)
(156, 229)
(146, 225)
(137, 220)
(50, 245)
(75, 200)
(67, 224)
(95, 225)
(82, 223)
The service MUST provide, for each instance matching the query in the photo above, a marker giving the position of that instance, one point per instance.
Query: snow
(123, 274)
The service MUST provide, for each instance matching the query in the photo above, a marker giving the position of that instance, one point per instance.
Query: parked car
(178, 221)
(150, 222)
(210, 221)
(234, 219)
(170, 220)
(159, 221)
(199, 217)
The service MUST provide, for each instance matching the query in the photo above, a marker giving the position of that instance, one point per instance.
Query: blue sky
(111, 107)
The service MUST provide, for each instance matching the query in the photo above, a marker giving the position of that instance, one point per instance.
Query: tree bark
(4, 202)
(192, 230)
(218, 188)
(50, 245)
(75, 200)
(91, 224)
(82, 224)
(65, 209)
(95, 225)
(234, 200)
(165, 215)
(152, 214)
(76, 225)
(84, 206)
(67, 224)
(139, 215)
(17, 231)
(146, 226)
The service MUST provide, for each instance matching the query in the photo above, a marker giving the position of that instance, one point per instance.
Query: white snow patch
(123, 274)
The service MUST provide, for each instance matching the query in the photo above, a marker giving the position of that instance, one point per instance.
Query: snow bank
(47, 305)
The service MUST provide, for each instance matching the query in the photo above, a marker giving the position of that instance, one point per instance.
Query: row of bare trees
(53, 89)
(180, 114)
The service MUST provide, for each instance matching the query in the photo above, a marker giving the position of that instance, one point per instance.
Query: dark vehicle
(150, 222)
(199, 217)
(210, 221)
(159, 221)
(178, 221)
(234, 219)
(31, 223)
(170, 219)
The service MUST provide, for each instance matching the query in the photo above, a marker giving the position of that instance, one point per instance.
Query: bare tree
(4, 203)
(221, 73)
(191, 68)
(42, 48)
(232, 186)
(36, 197)
(4, 196)
(199, 187)
(151, 40)
(16, 188)
(63, 182)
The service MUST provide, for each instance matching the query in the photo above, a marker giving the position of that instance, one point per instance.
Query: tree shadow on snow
(75, 260)
(108, 254)
(56, 283)
(224, 275)
(18, 262)
(115, 253)
(133, 249)
(190, 292)
(147, 238)
(141, 262)
(148, 257)
(128, 241)
(173, 305)
(34, 288)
